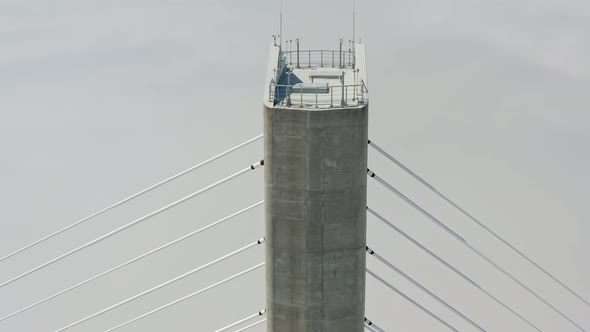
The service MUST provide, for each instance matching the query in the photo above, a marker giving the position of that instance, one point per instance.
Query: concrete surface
(316, 184)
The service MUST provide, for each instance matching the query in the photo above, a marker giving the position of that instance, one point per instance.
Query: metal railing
(319, 58)
(318, 96)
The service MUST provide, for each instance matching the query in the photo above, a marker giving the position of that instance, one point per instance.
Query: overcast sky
(489, 100)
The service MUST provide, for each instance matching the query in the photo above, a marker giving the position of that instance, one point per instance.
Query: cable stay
(162, 285)
(135, 222)
(185, 297)
(470, 247)
(424, 289)
(251, 325)
(258, 314)
(409, 299)
(142, 256)
(136, 195)
(476, 221)
(372, 326)
(451, 267)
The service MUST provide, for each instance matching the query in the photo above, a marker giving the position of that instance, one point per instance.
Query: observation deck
(319, 79)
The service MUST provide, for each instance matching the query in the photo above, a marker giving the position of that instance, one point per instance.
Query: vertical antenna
(353, 33)
(281, 28)
(353, 21)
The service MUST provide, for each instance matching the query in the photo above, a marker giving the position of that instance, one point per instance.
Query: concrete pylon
(316, 187)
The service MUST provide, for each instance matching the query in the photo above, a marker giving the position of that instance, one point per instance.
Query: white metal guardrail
(318, 95)
(320, 58)
(298, 58)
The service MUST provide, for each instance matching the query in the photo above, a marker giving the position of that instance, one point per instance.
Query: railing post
(342, 101)
(340, 58)
(309, 58)
(322, 58)
(301, 94)
(288, 89)
(316, 97)
(346, 94)
(290, 52)
(298, 53)
(333, 65)
(331, 97)
(354, 86)
(349, 51)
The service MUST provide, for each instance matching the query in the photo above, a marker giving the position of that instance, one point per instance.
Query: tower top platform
(316, 79)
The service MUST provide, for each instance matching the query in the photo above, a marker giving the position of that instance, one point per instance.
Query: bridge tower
(315, 145)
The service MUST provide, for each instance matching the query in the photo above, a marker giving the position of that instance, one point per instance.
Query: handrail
(318, 96)
(317, 50)
(322, 58)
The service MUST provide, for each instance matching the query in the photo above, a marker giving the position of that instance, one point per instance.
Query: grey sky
(486, 99)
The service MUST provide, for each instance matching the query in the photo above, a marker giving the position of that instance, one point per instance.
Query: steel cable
(372, 326)
(451, 267)
(125, 200)
(186, 297)
(260, 313)
(470, 247)
(424, 289)
(155, 288)
(133, 223)
(149, 253)
(251, 325)
(475, 220)
(409, 299)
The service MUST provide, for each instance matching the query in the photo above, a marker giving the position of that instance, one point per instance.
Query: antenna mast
(353, 21)
(281, 27)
